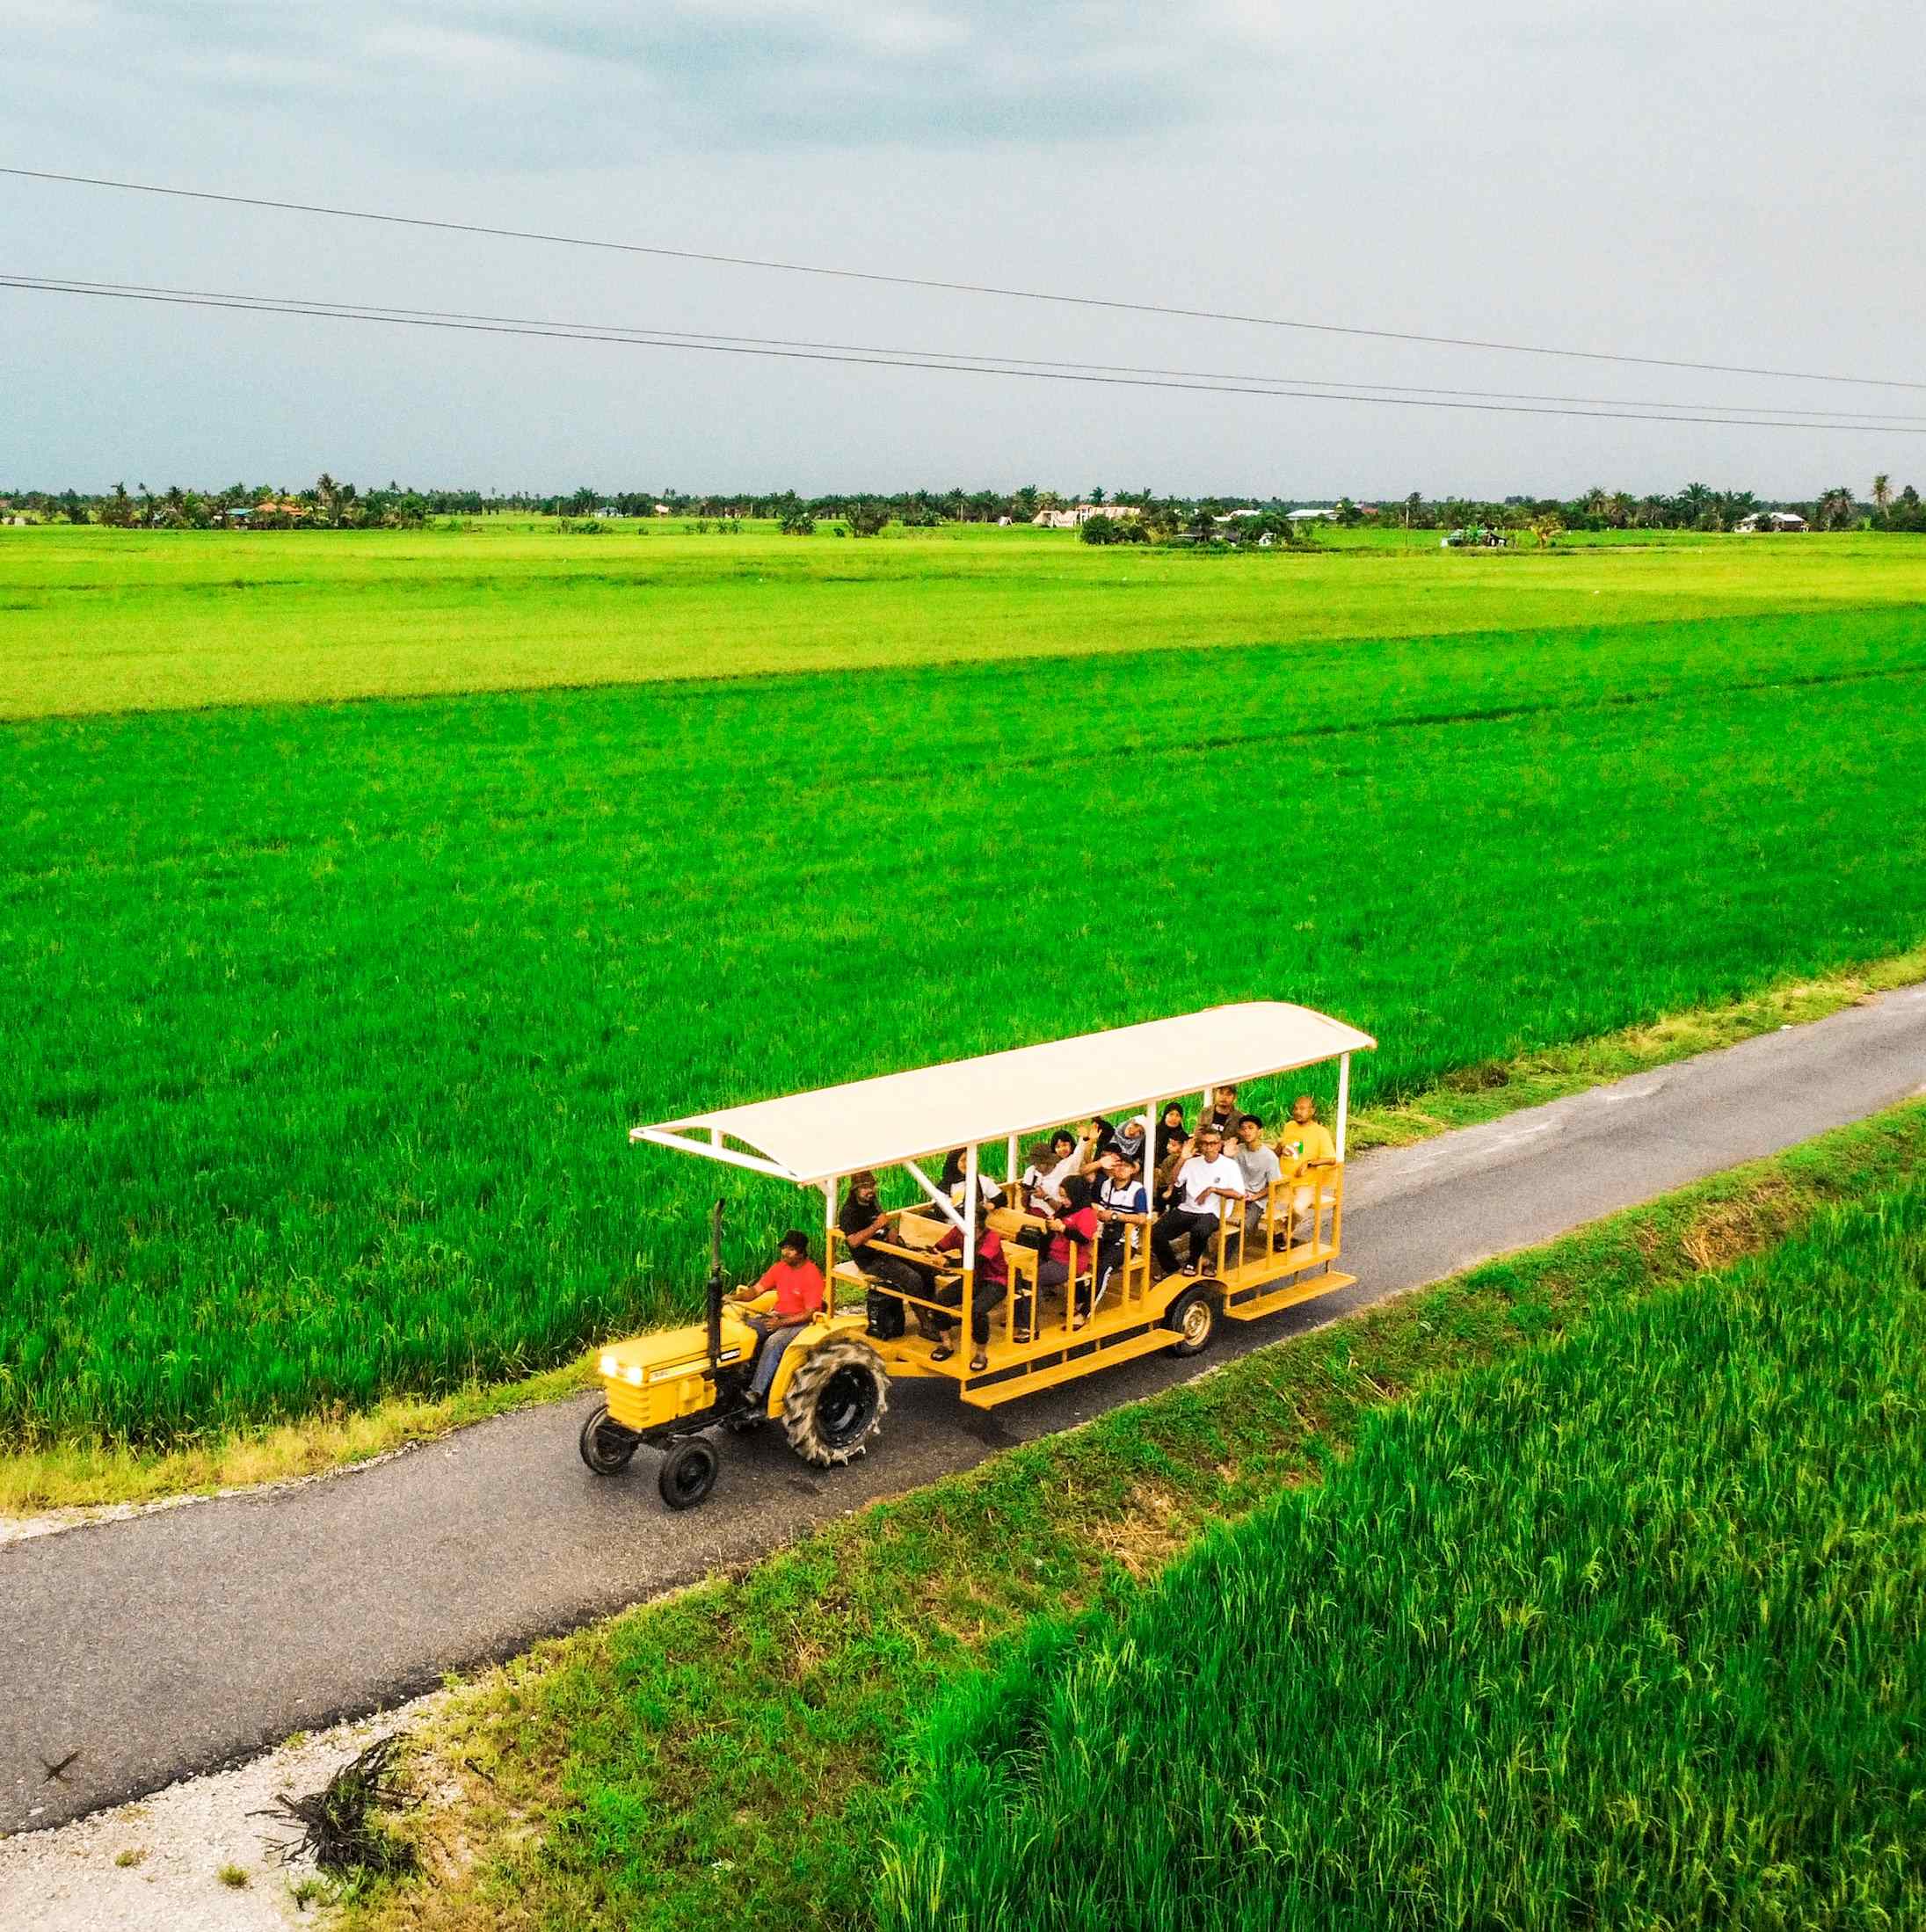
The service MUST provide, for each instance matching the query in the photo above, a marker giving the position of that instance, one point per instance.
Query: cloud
(549, 86)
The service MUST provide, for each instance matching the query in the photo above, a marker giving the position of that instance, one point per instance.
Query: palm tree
(1836, 508)
(1882, 492)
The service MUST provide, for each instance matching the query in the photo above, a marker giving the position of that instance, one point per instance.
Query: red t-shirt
(1083, 1225)
(798, 1287)
(989, 1261)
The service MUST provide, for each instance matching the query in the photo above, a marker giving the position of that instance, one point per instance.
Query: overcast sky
(1731, 182)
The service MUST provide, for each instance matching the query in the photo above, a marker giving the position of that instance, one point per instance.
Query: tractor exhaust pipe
(716, 1288)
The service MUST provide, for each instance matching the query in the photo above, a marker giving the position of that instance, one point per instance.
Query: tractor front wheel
(688, 1472)
(607, 1446)
(834, 1403)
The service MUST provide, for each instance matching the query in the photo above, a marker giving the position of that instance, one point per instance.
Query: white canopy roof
(838, 1130)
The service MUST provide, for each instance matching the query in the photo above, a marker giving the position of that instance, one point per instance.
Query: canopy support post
(1009, 1166)
(1344, 1099)
(937, 1198)
(829, 1244)
(965, 1331)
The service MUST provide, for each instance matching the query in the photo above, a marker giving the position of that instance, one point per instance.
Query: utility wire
(952, 287)
(259, 305)
(1826, 418)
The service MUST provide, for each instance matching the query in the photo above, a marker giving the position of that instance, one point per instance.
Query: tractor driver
(792, 1287)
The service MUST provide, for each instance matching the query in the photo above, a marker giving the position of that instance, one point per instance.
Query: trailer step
(1079, 1359)
(1306, 1288)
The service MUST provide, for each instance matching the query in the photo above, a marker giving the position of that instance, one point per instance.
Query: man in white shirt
(1208, 1186)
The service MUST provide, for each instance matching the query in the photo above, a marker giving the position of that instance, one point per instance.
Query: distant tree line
(329, 505)
(326, 506)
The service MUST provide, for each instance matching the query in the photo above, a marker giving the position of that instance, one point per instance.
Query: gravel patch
(156, 1865)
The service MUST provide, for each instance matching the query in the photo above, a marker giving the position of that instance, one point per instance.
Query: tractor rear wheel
(834, 1403)
(688, 1472)
(607, 1446)
(1193, 1316)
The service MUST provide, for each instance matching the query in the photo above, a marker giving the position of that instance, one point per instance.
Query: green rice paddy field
(322, 1021)
(1627, 1631)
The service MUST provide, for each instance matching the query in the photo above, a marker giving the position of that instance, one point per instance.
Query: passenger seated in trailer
(1305, 1137)
(792, 1284)
(863, 1223)
(992, 1284)
(1223, 1113)
(1306, 1142)
(1050, 1167)
(1259, 1167)
(952, 1181)
(1074, 1234)
(1172, 1150)
(1208, 1186)
(1120, 1193)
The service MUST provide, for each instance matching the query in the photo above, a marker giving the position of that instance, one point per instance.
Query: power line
(1824, 418)
(952, 288)
(261, 305)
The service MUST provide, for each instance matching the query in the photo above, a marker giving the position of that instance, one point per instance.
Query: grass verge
(97, 1474)
(1484, 1091)
(1629, 1632)
(735, 1754)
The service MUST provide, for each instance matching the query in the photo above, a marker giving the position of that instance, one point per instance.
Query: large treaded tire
(835, 1402)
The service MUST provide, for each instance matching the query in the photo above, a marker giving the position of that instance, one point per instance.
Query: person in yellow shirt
(1305, 1136)
(1306, 1140)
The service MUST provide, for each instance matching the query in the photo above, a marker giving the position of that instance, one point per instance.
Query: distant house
(262, 515)
(662, 510)
(1313, 516)
(1770, 519)
(1073, 519)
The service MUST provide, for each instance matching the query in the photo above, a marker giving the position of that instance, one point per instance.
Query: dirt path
(187, 1639)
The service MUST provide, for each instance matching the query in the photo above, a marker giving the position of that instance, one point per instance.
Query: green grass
(104, 620)
(738, 1755)
(328, 1023)
(1631, 1631)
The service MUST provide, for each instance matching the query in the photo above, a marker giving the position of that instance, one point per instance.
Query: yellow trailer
(831, 1389)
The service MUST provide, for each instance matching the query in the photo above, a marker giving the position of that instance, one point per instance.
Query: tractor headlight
(609, 1366)
(632, 1374)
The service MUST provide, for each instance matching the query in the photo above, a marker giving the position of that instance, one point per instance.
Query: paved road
(192, 1637)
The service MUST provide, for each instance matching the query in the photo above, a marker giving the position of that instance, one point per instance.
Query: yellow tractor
(667, 1387)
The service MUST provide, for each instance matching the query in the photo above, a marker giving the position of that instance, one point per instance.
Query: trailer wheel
(688, 1472)
(607, 1446)
(1195, 1317)
(835, 1401)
